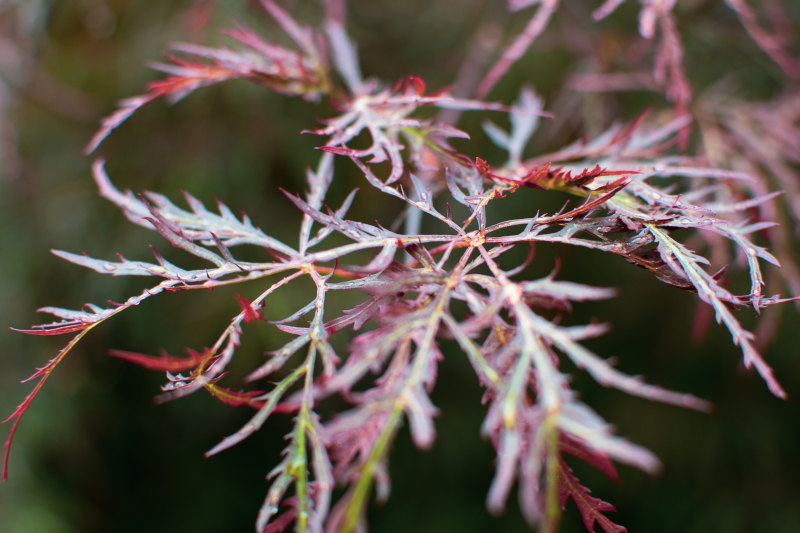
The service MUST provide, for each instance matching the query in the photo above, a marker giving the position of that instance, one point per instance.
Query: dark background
(94, 454)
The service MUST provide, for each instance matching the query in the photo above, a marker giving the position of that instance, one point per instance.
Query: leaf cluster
(418, 289)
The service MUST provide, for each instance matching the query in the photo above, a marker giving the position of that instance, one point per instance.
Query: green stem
(552, 508)
(362, 488)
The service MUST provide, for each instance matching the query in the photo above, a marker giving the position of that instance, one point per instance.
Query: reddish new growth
(435, 274)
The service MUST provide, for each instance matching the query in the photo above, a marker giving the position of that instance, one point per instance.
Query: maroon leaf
(251, 314)
(592, 509)
(163, 362)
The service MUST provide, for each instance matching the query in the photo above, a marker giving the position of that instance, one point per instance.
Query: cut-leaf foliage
(442, 272)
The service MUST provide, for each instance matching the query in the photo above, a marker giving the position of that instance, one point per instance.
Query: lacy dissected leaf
(183, 228)
(282, 70)
(386, 115)
(409, 289)
(41, 374)
(593, 510)
(710, 291)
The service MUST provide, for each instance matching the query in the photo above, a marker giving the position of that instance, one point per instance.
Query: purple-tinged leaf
(712, 293)
(420, 411)
(345, 57)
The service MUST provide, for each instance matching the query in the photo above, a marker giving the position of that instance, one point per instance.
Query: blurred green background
(95, 455)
